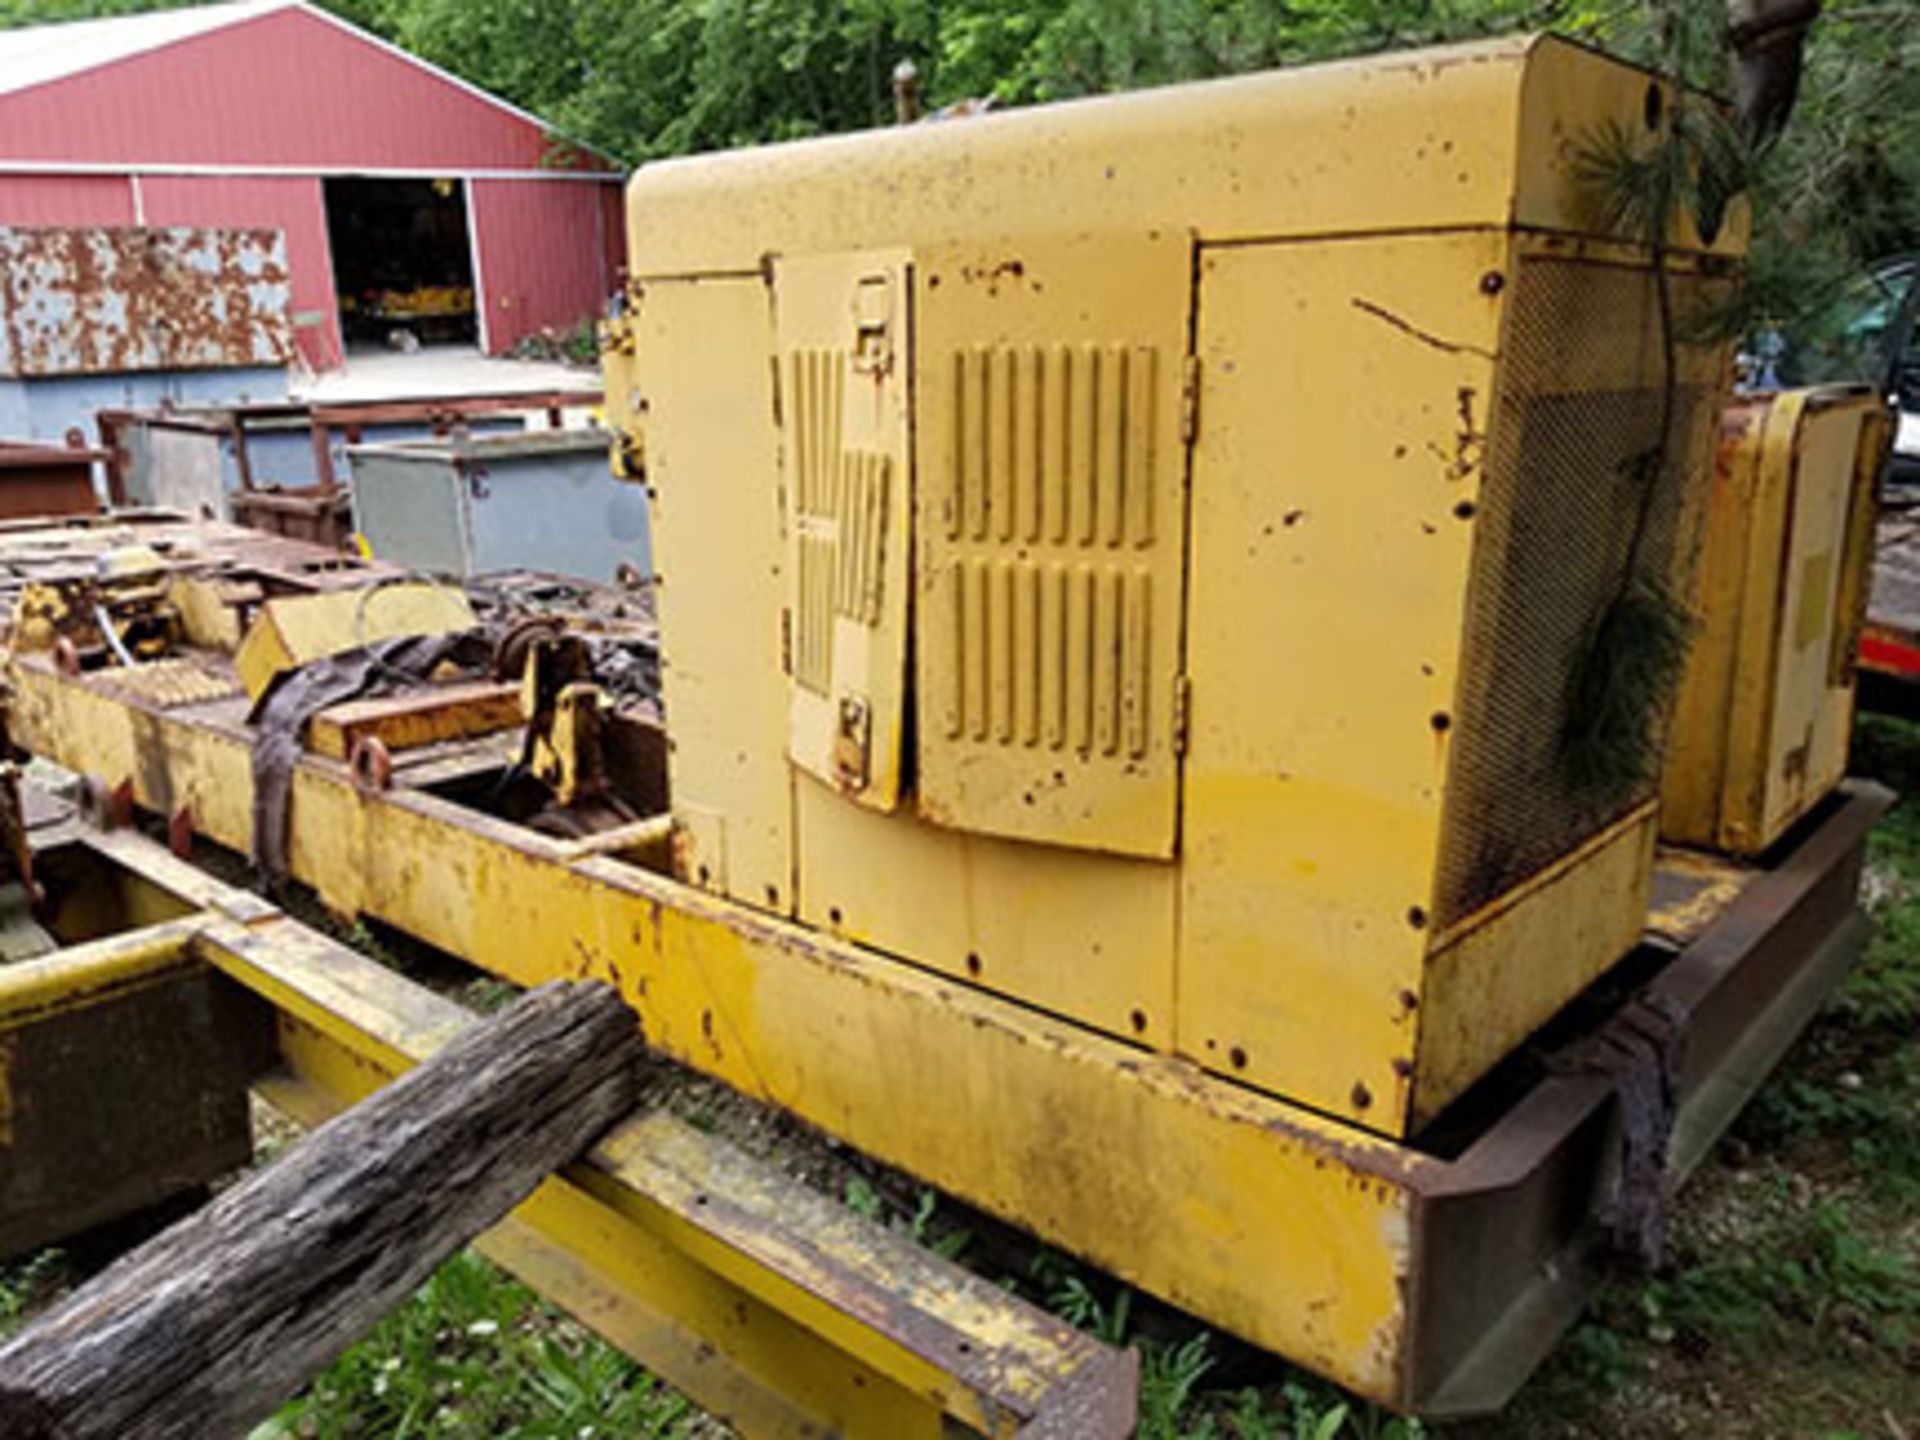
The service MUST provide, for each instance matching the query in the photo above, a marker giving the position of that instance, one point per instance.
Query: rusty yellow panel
(171, 682)
(210, 609)
(712, 468)
(1328, 598)
(1409, 141)
(1051, 528)
(427, 717)
(624, 411)
(1761, 726)
(1569, 97)
(1068, 930)
(1692, 889)
(296, 630)
(1020, 1115)
(843, 353)
(1502, 978)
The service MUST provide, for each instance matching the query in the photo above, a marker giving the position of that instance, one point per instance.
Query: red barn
(409, 198)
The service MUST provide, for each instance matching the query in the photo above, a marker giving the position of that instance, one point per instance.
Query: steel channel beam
(772, 1305)
(1513, 1236)
(1429, 1283)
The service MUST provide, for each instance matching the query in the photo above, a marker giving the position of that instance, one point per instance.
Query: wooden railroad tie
(207, 1329)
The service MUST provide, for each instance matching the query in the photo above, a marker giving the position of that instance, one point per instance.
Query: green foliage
(1621, 681)
(1169, 1375)
(645, 78)
(473, 1354)
(861, 1198)
(27, 1284)
(1817, 1271)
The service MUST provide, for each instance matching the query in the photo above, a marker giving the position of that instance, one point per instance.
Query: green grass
(473, 1354)
(1792, 1307)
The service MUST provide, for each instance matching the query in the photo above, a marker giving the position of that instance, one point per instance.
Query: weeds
(921, 1224)
(28, 1284)
(476, 1354)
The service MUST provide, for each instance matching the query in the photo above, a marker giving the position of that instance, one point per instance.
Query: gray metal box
(470, 505)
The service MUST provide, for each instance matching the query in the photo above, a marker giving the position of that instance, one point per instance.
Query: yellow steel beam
(770, 1304)
(1025, 1116)
(122, 1083)
(83, 975)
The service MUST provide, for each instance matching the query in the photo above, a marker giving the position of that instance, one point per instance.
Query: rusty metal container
(37, 479)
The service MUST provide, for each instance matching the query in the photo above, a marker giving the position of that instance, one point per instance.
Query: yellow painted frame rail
(1429, 1283)
(772, 1305)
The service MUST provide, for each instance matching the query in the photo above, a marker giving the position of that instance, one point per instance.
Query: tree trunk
(207, 1329)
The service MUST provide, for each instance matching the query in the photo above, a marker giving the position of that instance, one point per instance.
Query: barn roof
(41, 54)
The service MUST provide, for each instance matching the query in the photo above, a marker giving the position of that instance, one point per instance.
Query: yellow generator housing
(1130, 555)
(1760, 730)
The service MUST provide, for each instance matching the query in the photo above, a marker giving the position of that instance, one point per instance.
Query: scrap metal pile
(356, 660)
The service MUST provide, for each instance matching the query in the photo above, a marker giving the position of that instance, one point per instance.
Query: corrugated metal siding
(65, 200)
(542, 255)
(286, 89)
(293, 205)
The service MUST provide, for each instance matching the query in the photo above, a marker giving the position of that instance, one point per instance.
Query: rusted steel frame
(30, 455)
(850, 1313)
(46, 479)
(1510, 1235)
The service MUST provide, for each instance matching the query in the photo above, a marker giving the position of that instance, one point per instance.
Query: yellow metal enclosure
(1130, 555)
(1763, 715)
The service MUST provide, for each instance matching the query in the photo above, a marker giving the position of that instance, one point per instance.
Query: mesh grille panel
(1581, 399)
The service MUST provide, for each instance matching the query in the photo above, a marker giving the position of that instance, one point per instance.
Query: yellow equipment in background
(1130, 555)
(1761, 724)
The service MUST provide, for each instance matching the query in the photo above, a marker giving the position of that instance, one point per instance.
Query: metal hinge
(786, 642)
(1182, 703)
(1190, 400)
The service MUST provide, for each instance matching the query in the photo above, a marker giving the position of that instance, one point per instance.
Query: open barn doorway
(402, 262)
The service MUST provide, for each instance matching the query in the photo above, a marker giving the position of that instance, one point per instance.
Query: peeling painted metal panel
(291, 204)
(101, 301)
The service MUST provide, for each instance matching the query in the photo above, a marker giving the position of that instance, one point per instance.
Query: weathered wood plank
(205, 1330)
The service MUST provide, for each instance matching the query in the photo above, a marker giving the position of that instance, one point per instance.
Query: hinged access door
(842, 326)
(1051, 537)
